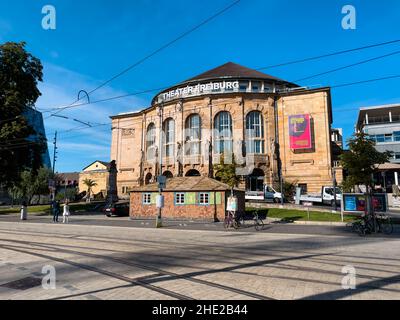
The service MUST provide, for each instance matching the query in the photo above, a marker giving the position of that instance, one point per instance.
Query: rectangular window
(204, 198)
(179, 198)
(243, 85)
(147, 198)
(396, 136)
(256, 86)
(388, 137)
(380, 138)
(396, 156)
(303, 187)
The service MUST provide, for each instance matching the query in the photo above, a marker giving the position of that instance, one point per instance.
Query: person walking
(56, 210)
(66, 212)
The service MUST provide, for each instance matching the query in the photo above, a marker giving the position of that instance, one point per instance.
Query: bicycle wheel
(359, 228)
(259, 224)
(386, 225)
(227, 222)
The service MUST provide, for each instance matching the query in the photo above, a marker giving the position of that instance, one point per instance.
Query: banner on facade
(300, 132)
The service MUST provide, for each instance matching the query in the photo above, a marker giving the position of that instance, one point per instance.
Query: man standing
(56, 210)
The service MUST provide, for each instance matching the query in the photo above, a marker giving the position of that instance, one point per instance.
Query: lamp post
(160, 203)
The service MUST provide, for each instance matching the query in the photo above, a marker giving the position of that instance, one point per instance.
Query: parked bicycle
(239, 220)
(366, 225)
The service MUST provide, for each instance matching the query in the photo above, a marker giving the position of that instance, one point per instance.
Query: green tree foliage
(361, 161)
(289, 189)
(226, 172)
(30, 184)
(20, 73)
(89, 183)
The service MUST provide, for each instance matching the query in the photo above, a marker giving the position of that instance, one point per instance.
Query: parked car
(119, 209)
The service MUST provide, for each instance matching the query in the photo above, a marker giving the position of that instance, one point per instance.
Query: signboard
(162, 182)
(300, 132)
(357, 203)
(199, 89)
(232, 204)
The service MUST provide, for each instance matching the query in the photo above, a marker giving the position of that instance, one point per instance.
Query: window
(169, 138)
(255, 133)
(223, 133)
(204, 198)
(303, 187)
(255, 86)
(267, 87)
(193, 135)
(146, 198)
(396, 156)
(151, 142)
(380, 138)
(396, 136)
(243, 85)
(388, 137)
(180, 198)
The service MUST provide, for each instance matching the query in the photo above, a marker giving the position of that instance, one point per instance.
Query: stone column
(112, 193)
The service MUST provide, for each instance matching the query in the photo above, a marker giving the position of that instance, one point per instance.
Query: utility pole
(160, 155)
(54, 165)
(334, 189)
(55, 151)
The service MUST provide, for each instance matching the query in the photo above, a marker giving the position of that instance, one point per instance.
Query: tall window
(193, 135)
(169, 138)
(151, 142)
(255, 133)
(223, 133)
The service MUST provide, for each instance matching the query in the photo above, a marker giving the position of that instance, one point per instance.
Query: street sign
(162, 182)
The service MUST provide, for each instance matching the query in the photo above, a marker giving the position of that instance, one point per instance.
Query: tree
(289, 189)
(30, 184)
(361, 161)
(20, 73)
(89, 183)
(226, 172)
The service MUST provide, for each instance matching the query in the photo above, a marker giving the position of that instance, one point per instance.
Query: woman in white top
(66, 212)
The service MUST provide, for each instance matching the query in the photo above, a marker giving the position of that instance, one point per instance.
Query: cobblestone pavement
(103, 262)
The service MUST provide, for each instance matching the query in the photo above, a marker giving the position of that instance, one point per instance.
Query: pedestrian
(24, 211)
(66, 212)
(56, 210)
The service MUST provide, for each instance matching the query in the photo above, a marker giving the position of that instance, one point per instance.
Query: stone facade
(97, 172)
(313, 167)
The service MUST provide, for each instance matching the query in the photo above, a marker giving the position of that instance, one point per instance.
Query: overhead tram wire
(163, 47)
(73, 105)
(329, 55)
(348, 66)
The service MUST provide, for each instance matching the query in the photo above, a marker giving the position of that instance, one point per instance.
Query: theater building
(270, 126)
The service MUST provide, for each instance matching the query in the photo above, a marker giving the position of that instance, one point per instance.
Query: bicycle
(258, 222)
(384, 223)
(367, 225)
(231, 221)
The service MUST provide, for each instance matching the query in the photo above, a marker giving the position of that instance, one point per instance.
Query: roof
(388, 166)
(233, 70)
(376, 111)
(104, 163)
(187, 184)
(69, 175)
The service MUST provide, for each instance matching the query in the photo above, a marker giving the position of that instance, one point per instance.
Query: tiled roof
(233, 70)
(187, 184)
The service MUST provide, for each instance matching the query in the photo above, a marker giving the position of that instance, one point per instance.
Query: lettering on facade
(199, 89)
(128, 132)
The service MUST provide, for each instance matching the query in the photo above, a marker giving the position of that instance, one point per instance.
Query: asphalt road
(273, 227)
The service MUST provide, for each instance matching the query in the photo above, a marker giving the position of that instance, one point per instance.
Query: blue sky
(94, 40)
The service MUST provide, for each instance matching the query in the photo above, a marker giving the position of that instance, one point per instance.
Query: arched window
(151, 142)
(193, 173)
(223, 133)
(255, 133)
(193, 135)
(169, 138)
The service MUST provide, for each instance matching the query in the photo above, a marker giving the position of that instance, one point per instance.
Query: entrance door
(255, 182)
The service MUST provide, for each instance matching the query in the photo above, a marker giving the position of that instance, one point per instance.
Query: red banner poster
(300, 132)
